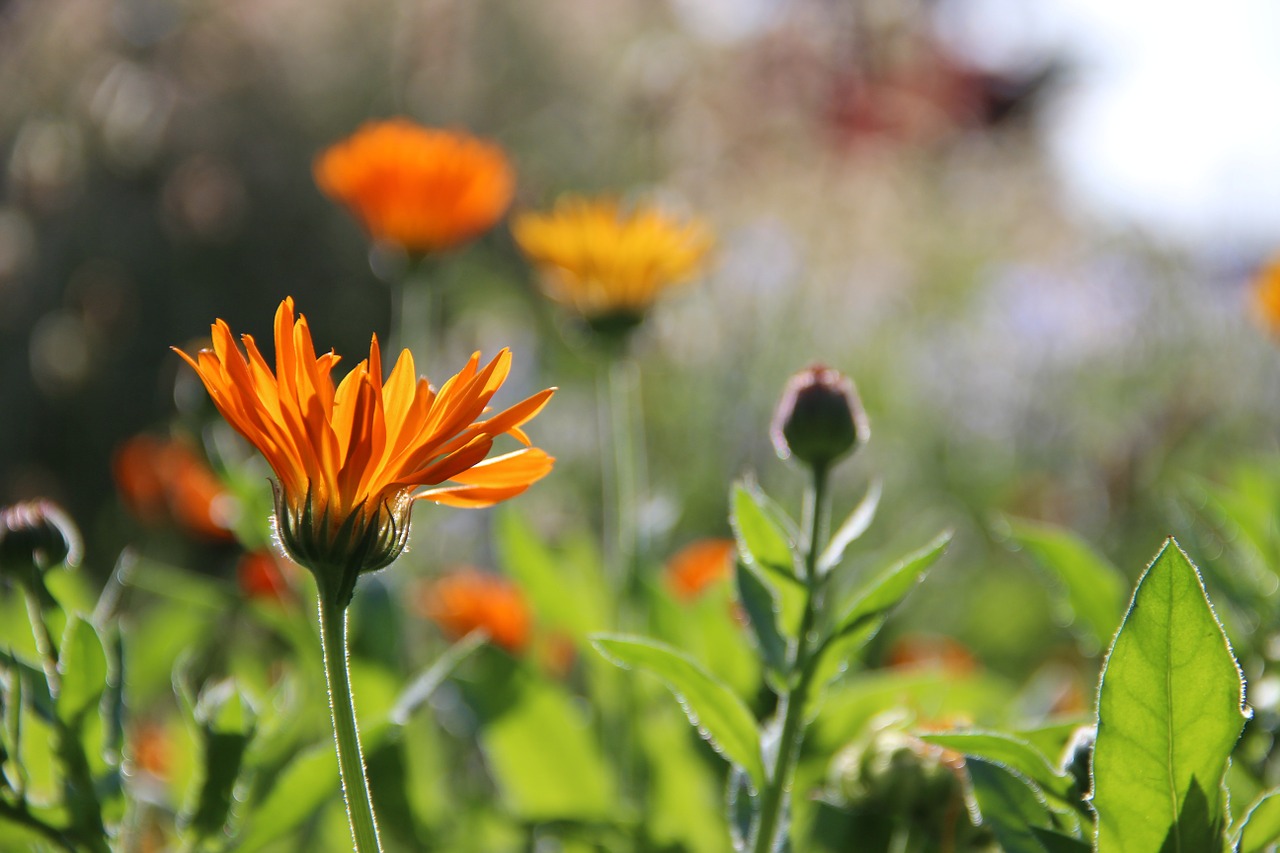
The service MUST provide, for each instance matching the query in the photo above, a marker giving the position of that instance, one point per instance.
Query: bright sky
(1172, 118)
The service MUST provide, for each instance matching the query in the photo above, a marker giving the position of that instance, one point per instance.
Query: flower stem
(355, 785)
(804, 667)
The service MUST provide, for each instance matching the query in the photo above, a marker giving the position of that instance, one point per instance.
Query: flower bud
(819, 418)
(35, 536)
(1077, 759)
(894, 773)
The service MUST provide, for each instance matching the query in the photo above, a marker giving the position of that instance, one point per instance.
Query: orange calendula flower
(698, 565)
(261, 577)
(419, 188)
(609, 263)
(351, 459)
(470, 599)
(1266, 296)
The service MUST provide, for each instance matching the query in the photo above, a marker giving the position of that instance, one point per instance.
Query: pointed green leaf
(852, 528)
(713, 708)
(1010, 805)
(1260, 826)
(1094, 589)
(1008, 751)
(83, 668)
(425, 684)
(1169, 713)
(762, 612)
(762, 532)
(873, 601)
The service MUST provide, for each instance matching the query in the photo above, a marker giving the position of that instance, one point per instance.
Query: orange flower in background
(261, 577)
(468, 599)
(1266, 296)
(602, 260)
(419, 188)
(351, 459)
(151, 749)
(163, 478)
(698, 565)
(927, 651)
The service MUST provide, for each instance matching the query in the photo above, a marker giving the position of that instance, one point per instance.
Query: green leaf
(852, 528)
(1094, 589)
(1010, 805)
(713, 708)
(1169, 713)
(873, 601)
(83, 667)
(307, 783)
(425, 684)
(1260, 826)
(761, 530)
(567, 594)
(544, 758)
(1009, 752)
(762, 613)
(1056, 842)
(227, 724)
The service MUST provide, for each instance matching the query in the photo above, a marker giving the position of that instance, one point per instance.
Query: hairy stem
(355, 785)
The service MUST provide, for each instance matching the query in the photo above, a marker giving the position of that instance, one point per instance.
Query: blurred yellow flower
(1266, 296)
(350, 458)
(419, 188)
(604, 261)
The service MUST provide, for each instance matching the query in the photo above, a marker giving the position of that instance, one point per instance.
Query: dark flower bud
(894, 773)
(819, 418)
(35, 536)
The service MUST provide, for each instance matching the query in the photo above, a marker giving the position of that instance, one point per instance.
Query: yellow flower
(1266, 296)
(419, 188)
(350, 459)
(609, 263)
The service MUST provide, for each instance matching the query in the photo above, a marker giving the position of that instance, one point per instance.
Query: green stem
(416, 313)
(45, 645)
(804, 665)
(626, 466)
(355, 785)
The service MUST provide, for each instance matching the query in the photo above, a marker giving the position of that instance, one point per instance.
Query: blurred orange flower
(162, 479)
(929, 651)
(261, 577)
(604, 261)
(419, 188)
(151, 749)
(1266, 296)
(468, 598)
(698, 565)
(350, 459)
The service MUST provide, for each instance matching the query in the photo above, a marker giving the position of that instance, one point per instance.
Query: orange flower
(468, 599)
(919, 651)
(606, 262)
(698, 565)
(152, 749)
(261, 577)
(350, 459)
(161, 478)
(416, 187)
(1266, 296)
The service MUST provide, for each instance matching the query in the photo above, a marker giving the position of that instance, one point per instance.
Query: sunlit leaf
(1010, 805)
(426, 683)
(565, 593)
(1009, 752)
(852, 528)
(716, 710)
(762, 534)
(1260, 826)
(872, 602)
(1169, 713)
(762, 614)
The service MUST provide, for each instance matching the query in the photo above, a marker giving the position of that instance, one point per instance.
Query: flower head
(819, 418)
(419, 188)
(1266, 296)
(607, 263)
(698, 565)
(469, 599)
(350, 459)
(35, 536)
